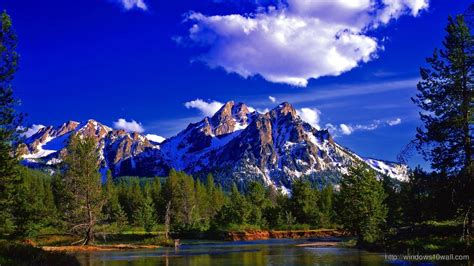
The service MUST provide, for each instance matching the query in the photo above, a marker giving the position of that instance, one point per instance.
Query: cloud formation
(294, 42)
(347, 129)
(206, 108)
(272, 99)
(155, 138)
(310, 115)
(131, 4)
(394, 122)
(131, 126)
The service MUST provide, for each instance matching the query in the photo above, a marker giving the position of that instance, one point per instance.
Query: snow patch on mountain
(155, 138)
(391, 169)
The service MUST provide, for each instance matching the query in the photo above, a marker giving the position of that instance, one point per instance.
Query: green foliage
(326, 206)
(426, 196)
(10, 121)
(215, 197)
(445, 97)
(12, 253)
(145, 214)
(304, 203)
(131, 198)
(396, 210)
(180, 191)
(361, 204)
(236, 210)
(157, 199)
(256, 196)
(34, 206)
(82, 189)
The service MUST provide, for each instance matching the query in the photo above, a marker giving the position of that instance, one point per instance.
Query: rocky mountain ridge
(236, 144)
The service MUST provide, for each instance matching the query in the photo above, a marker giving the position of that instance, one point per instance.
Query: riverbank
(274, 234)
(427, 238)
(15, 253)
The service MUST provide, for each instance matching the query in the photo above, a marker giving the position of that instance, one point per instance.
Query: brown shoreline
(320, 244)
(295, 234)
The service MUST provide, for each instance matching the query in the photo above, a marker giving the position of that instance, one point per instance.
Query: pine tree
(34, 204)
(157, 199)
(326, 206)
(304, 203)
(361, 204)
(145, 214)
(131, 199)
(445, 97)
(258, 202)
(82, 179)
(179, 189)
(202, 206)
(215, 196)
(112, 210)
(237, 211)
(109, 192)
(10, 121)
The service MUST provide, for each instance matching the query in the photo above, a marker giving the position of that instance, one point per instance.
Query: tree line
(74, 200)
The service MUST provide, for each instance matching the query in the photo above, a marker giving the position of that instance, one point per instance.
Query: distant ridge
(236, 144)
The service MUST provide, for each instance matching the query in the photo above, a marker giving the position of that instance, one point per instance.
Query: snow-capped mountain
(47, 146)
(236, 144)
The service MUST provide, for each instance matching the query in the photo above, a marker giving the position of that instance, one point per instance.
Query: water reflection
(258, 253)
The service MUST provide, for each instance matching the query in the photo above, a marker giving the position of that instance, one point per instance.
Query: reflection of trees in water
(254, 255)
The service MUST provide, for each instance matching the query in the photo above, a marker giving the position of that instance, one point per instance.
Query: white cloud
(394, 122)
(311, 116)
(296, 42)
(272, 99)
(206, 108)
(155, 138)
(131, 126)
(131, 4)
(395, 8)
(32, 130)
(372, 126)
(346, 129)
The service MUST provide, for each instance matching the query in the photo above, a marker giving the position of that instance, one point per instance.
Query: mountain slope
(236, 144)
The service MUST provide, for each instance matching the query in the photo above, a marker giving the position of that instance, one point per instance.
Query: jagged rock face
(235, 144)
(189, 147)
(48, 145)
(276, 148)
(229, 118)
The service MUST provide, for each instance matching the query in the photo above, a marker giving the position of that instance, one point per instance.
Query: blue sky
(143, 60)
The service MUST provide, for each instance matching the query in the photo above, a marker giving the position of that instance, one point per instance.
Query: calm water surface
(263, 252)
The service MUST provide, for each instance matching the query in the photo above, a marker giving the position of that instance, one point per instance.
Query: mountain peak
(229, 118)
(284, 109)
(225, 111)
(95, 129)
(235, 143)
(68, 127)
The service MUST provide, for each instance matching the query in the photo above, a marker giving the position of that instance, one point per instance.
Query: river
(255, 253)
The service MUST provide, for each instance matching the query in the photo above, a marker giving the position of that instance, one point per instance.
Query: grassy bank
(428, 238)
(15, 253)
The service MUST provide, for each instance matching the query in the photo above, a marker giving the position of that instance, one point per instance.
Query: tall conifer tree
(10, 120)
(84, 189)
